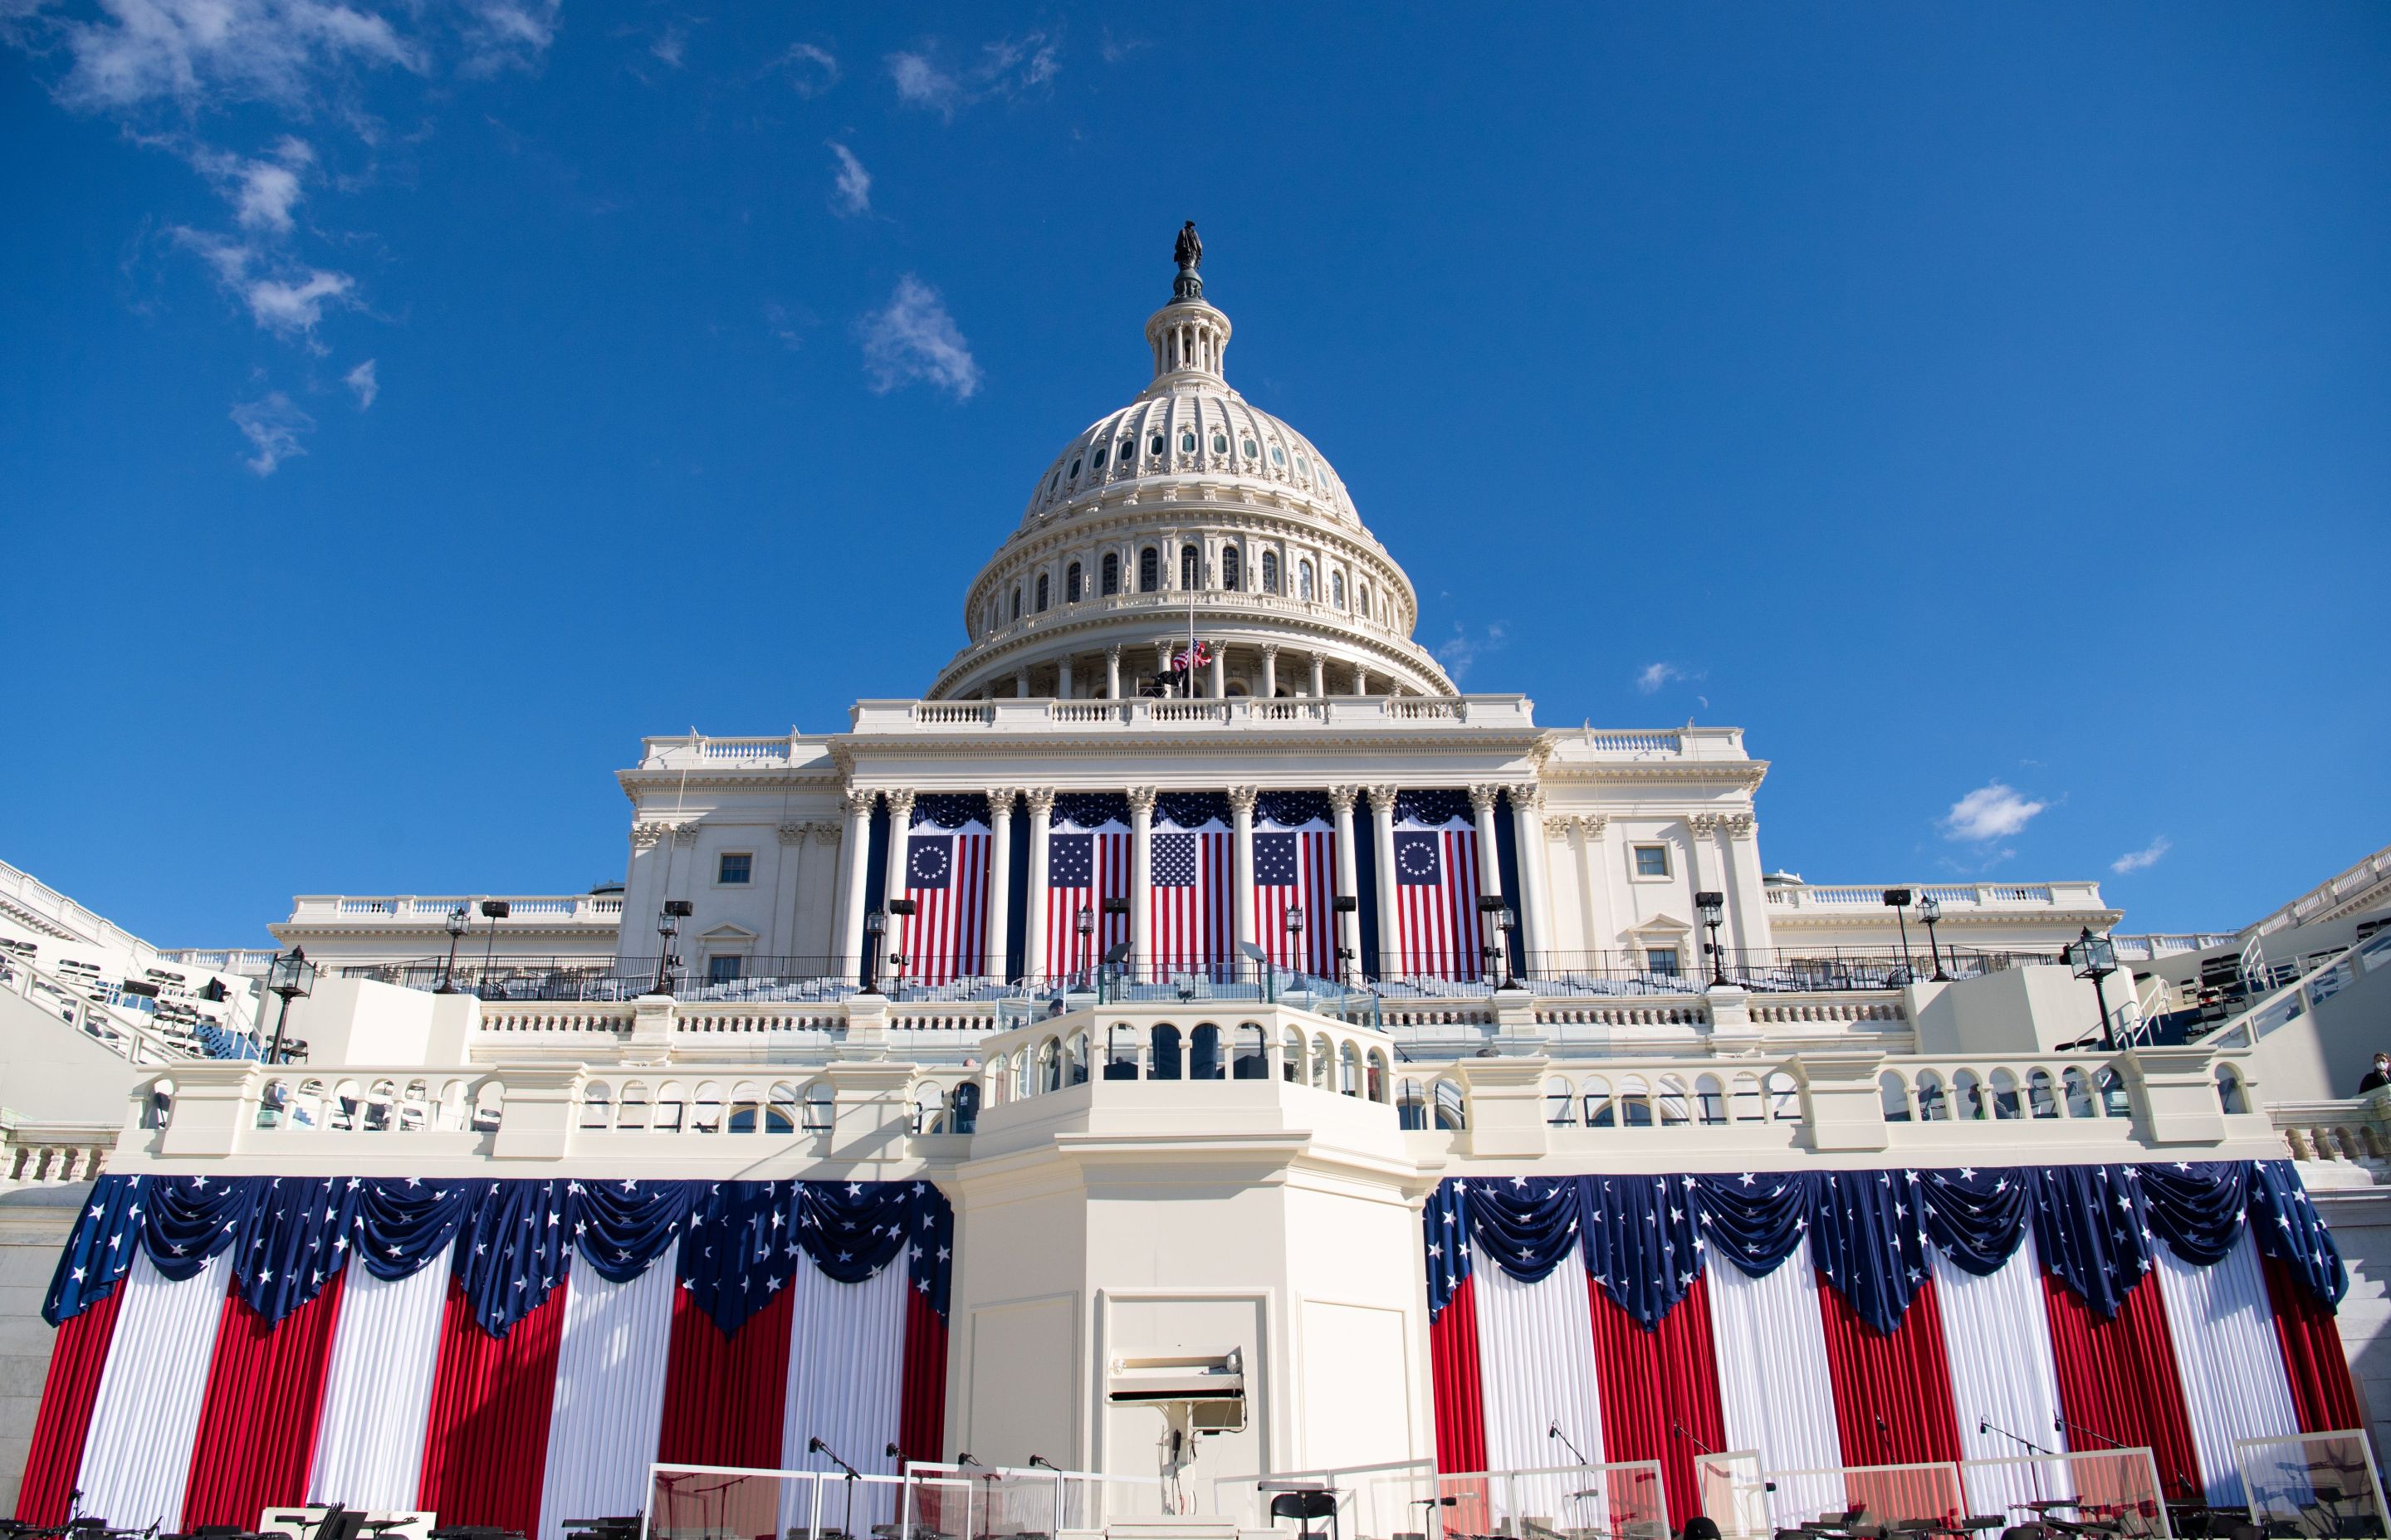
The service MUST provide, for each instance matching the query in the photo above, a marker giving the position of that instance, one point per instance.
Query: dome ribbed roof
(1190, 427)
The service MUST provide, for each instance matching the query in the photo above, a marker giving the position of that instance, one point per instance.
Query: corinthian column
(1269, 670)
(1528, 826)
(1382, 836)
(999, 887)
(1490, 860)
(1033, 924)
(1241, 822)
(1341, 800)
(899, 938)
(853, 853)
(1140, 880)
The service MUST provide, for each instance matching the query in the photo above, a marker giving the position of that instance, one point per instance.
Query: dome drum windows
(1233, 572)
(1219, 443)
(1189, 564)
(1149, 570)
(1336, 589)
(1278, 457)
(1303, 581)
(1110, 576)
(1187, 442)
(1016, 601)
(1041, 593)
(1071, 584)
(1154, 446)
(1247, 445)
(1270, 571)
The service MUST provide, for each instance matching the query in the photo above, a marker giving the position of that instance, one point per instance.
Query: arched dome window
(1270, 571)
(1154, 448)
(1097, 462)
(1074, 470)
(1337, 589)
(1071, 584)
(1303, 466)
(1149, 570)
(1041, 593)
(1249, 447)
(1219, 443)
(1017, 602)
(1303, 581)
(1111, 573)
(1364, 606)
(1232, 572)
(1187, 442)
(1278, 457)
(1187, 566)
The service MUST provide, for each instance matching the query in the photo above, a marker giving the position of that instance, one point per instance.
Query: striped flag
(1195, 917)
(1295, 862)
(1087, 862)
(947, 876)
(1438, 933)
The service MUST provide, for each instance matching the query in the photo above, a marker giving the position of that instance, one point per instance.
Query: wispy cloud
(363, 380)
(853, 182)
(1653, 676)
(1113, 50)
(272, 425)
(201, 53)
(2143, 859)
(1461, 652)
(507, 34)
(1005, 68)
(671, 46)
(262, 193)
(784, 325)
(915, 339)
(286, 299)
(810, 70)
(1992, 812)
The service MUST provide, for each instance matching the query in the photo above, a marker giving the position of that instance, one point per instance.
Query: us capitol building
(1191, 1068)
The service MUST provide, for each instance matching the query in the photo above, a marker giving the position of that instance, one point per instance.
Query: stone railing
(1342, 713)
(2339, 1144)
(242, 962)
(38, 1153)
(2065, 897)
(603, 909)
(2360, 880)
(2149, 949)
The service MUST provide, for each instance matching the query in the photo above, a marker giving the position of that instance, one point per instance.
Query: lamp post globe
(1930, 910)
(457, 922)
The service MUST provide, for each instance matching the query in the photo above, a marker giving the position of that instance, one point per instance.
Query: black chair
(1701, 1526)
(1304, 1506)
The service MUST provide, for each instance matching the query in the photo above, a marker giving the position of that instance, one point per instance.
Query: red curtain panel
(1453, 1362)
(54, 1462)
(1893, 1405)
(2117, 1381)
(1659, 1391)
(486, 1447)
(2313, 1359)
(922, 1414)
(723, 1395)
(257, 1417)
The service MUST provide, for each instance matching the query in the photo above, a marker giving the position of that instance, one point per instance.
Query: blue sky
(404, 410)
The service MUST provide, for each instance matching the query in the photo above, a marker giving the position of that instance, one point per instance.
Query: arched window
(2228, 1089)
(1559, 1104)
(1303, 580)
(1149, 570)
(1071, 584)
(1220, 442)
(1450, 1114)
(1154, 446)
(1336, 589)
(1079, 1060)
(1270, 571)
(1016, 601)
(1894, 1096)
(1204, 1053)
(2041, 1094)
(1041, 593)
(1232, 572)
(1166, 1052)
(1187, 567)
(1363, 607)
(818, 1108)
(1120, 1054)
(1411, 1107)
(1111, 576)
(1599, 1112)
(1251, 1059)
(1187, 441)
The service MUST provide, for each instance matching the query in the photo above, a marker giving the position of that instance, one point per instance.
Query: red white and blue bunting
(231, 1344)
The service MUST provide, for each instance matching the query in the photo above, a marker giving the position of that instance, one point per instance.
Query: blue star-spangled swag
(1644, 1239)
(508, 1243)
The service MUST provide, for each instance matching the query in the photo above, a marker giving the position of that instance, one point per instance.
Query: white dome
(1192, 426)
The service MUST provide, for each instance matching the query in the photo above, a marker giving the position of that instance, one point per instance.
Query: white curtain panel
(378, 1388)
(609, 1393)
(2004, 1381)
(2226, 1356)
(1536, 1367)
(1775, 1389)
(846, 1366)
(144, 1418)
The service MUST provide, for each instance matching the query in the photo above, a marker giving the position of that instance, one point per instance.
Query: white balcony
(416, 912)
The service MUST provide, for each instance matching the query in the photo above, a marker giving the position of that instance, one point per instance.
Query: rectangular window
(723, 970)
(735, 867)
(1661, 959)
(1652, 860)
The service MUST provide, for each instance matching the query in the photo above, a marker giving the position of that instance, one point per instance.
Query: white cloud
(669, 46)
(915, 339)
(197, 52)
(1461, 652)
(363, 380)
(1991, 811)
(1653, 676)
(262, 193)
(854, 182)
(507, 34)
(810, 71)
(287, 302)
(272, 425)
(1005, 68)
(2143, 859)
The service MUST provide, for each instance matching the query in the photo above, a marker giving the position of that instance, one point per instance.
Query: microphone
(1044, 1464)
(965, 1457)
(1985, 1425)
(893, 1451)
(815, 1446)
(1553, 1430)
(1679, 1429)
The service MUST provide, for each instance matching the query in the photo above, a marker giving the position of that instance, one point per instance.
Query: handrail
(2361, 877)
(104, 1023)
(2280, 1007)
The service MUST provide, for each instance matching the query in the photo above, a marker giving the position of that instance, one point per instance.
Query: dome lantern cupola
(1188, 336)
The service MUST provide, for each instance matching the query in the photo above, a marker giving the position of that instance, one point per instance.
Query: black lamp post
(1295, 957)
(669, 926)
(290, 975)
(457, 922)
(2095, 957)
(1084, 926)
(1346, 905)
(875, 926)
(1492, 911)
(1897, 900)
(1713, 908)
(898, 907)
(1929, 909)
(493, 910)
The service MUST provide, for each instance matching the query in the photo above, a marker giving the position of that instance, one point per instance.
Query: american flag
(1195, 917)
(1435, 887)
(1087, 862)
(1295, 862)
(947, 877)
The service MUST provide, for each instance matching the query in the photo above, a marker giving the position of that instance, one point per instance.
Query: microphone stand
(815, 1446)
(2061, 1424)
(1984, 1427)
(1553, 1430)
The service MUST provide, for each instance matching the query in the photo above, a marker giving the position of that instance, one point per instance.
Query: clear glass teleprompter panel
(2324, 1486)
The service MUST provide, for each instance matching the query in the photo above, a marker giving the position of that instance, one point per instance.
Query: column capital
(1382, 799)
(1481, 799)
(856, 802)
(685, 834)
(1267, 649)
(1527, 797)
(900, 804)
(794, 833)
(1114, 652)
(1141, 801)
(1740, 825)
(1704, 824)
(644, 835)
(827, 831)
(1559, 828)
(1041, 801)
(1595, 824)
(1341, 799)
(1242, 799)
(999, 801)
